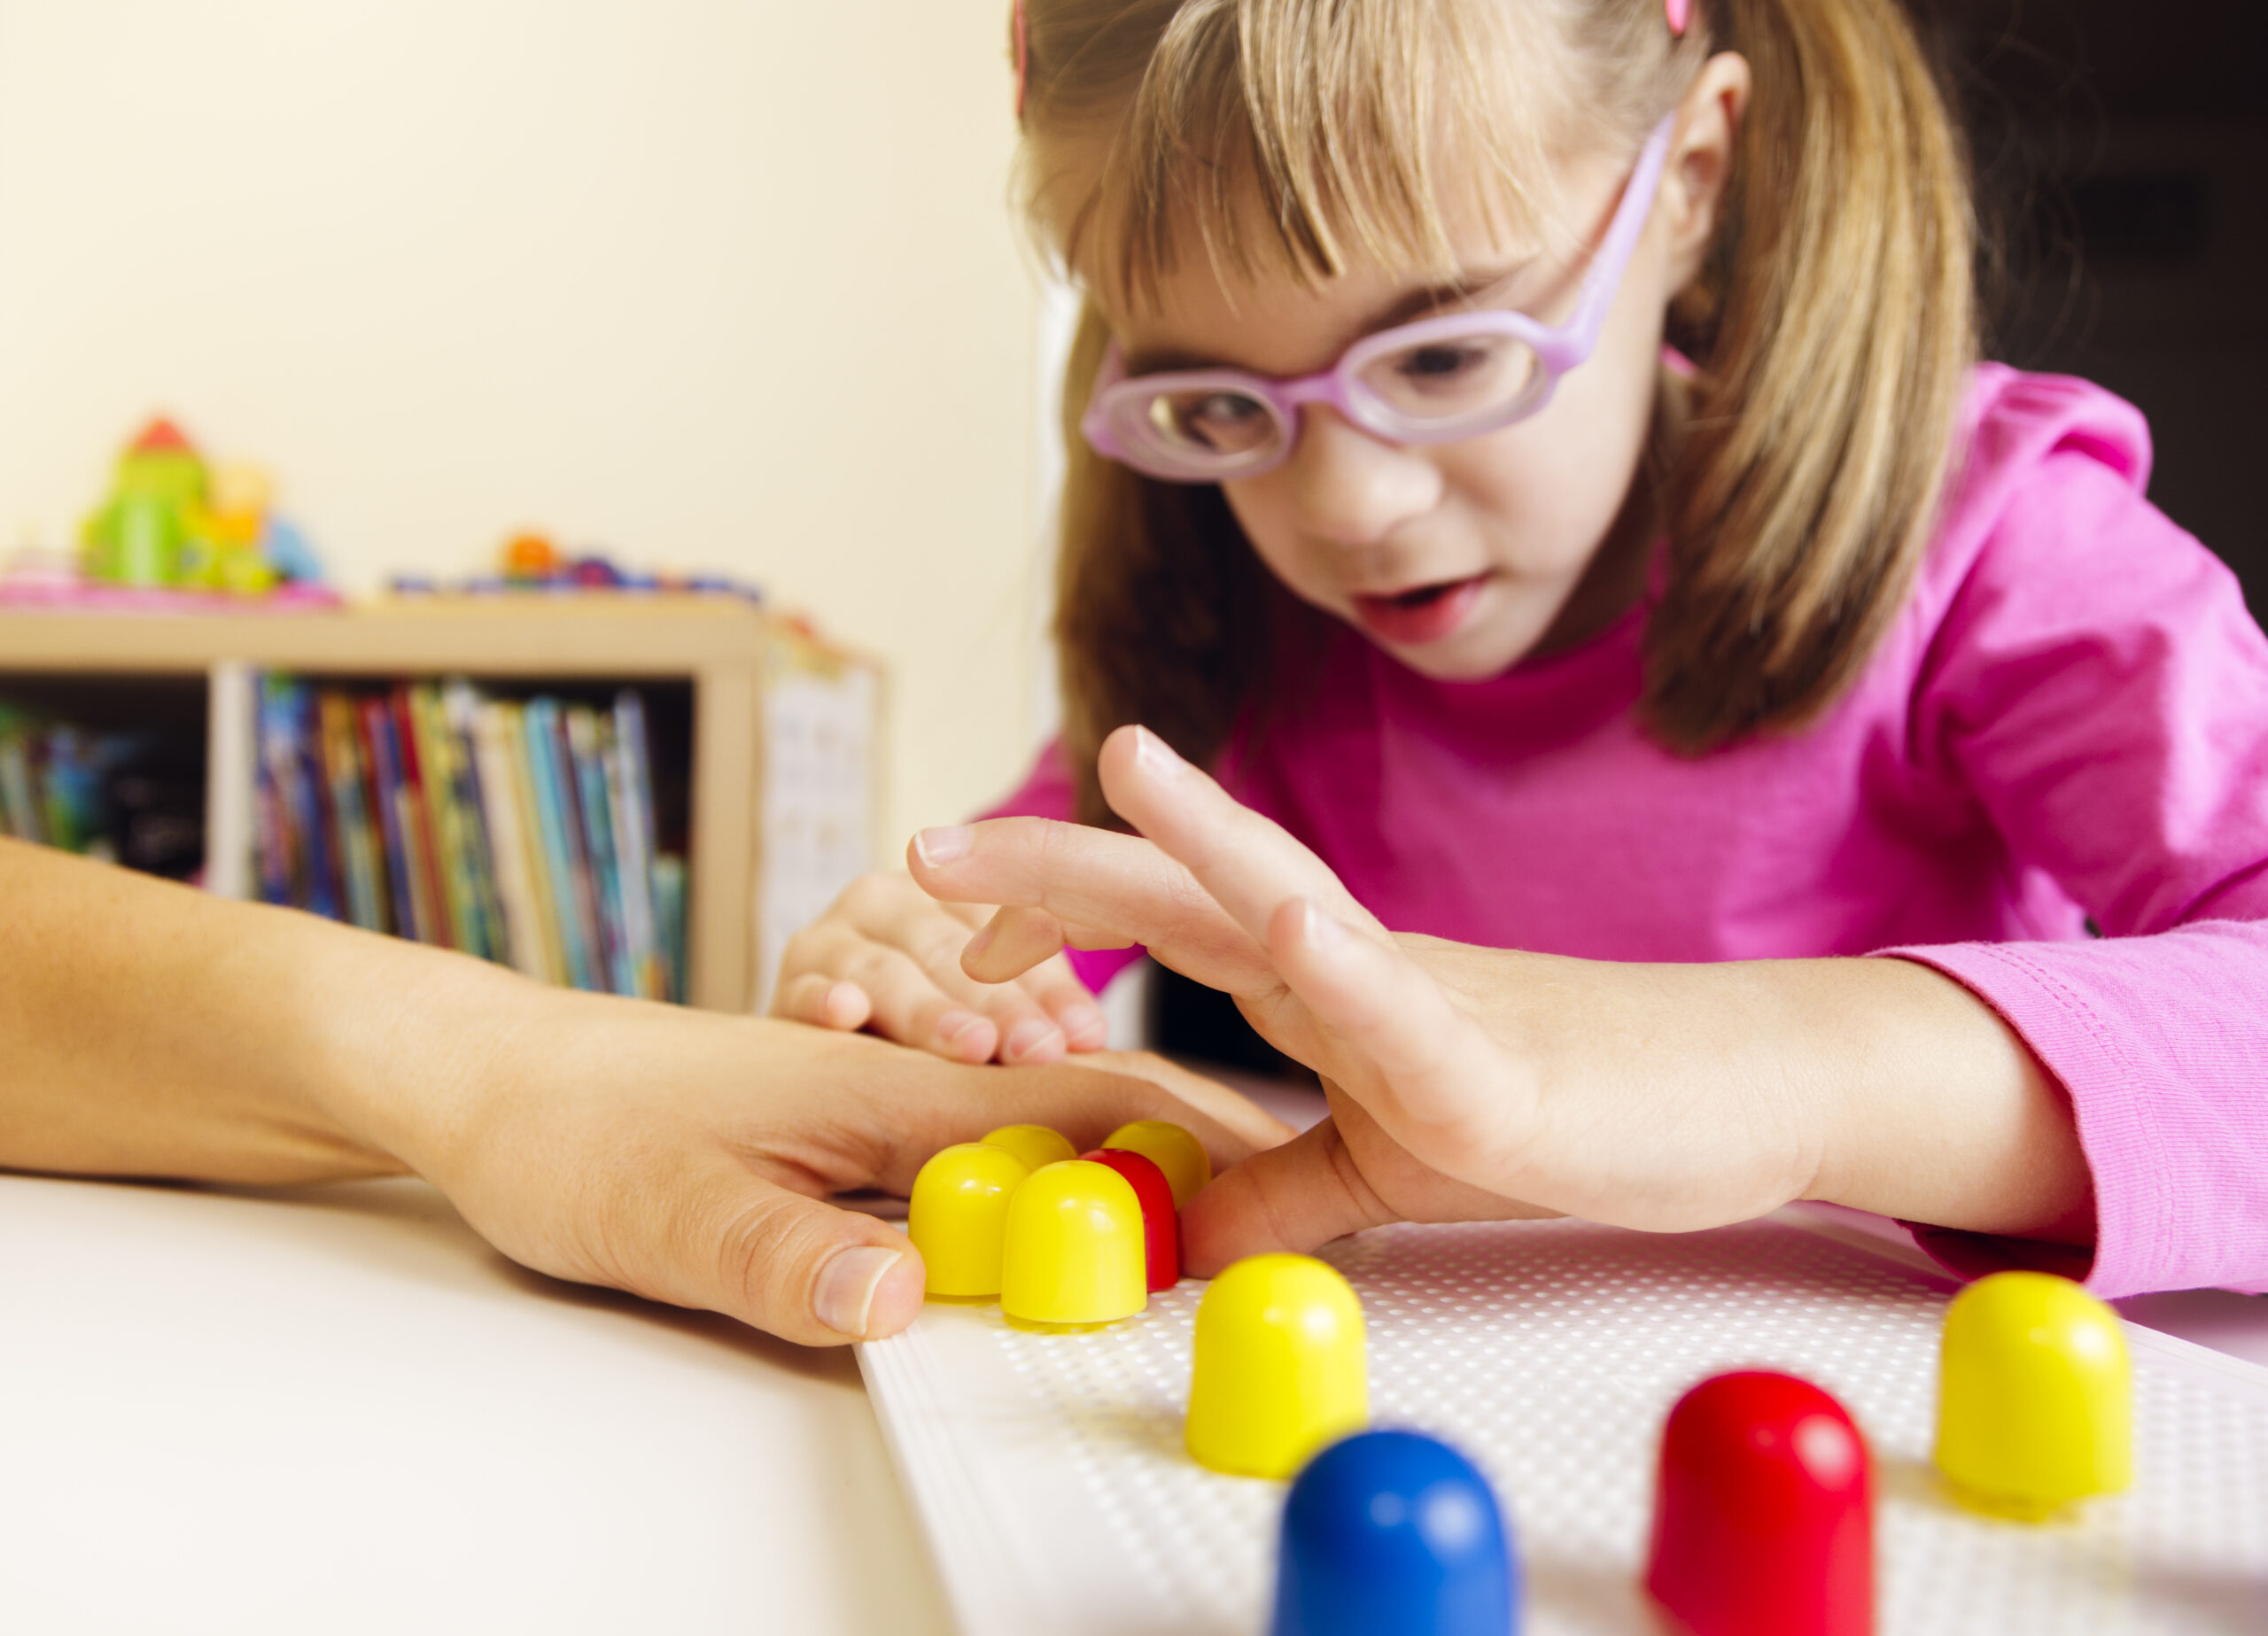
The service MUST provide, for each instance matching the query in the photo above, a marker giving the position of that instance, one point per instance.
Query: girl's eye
(1453, 378)
(1225, 422)
(1422, 366)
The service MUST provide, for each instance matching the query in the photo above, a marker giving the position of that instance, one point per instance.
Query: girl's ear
(1700, 167)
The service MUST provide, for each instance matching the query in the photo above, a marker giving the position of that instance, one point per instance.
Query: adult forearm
(148, 1029)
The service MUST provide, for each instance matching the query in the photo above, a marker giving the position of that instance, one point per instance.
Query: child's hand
(1470, 1082)
(887, 958)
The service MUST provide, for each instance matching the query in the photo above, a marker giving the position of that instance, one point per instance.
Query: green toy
(137, 537)
(171, 521)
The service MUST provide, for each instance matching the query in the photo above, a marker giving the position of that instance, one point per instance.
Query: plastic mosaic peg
(1181, 1156)
(1279, 1366)
(1393, 1531)
(1073, 1253)
(1035, 1144)
(2034, 1396)
(1763, 1512)
(1160, 1223)
(957, 1218)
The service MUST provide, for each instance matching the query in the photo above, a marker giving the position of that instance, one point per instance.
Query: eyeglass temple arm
(1621, 239)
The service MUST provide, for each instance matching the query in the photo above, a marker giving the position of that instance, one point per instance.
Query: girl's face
(1459, 559)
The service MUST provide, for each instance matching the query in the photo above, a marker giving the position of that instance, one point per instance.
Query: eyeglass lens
(1212, 423)
(1443, 383)
(1456, 378)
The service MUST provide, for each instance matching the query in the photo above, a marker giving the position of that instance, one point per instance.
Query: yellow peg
(1280, 1367)
(1171, 1149)
(1035, 1144)
(1075, 1252)
(2033, 1396)
(958, 1217)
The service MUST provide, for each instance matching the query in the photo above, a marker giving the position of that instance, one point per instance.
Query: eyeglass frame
(1556, 350)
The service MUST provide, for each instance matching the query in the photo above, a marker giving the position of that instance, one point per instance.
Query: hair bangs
(1300, 138)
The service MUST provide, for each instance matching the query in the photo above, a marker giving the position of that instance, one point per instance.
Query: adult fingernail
(953, 1025)
(846, 1287)
(942, 846)
(1081, 1018)
(1154, 755)
(1027, 1036)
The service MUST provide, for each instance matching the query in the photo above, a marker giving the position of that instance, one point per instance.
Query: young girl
(1808, 640)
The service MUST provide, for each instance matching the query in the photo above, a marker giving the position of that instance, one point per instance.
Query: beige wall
(724, 284)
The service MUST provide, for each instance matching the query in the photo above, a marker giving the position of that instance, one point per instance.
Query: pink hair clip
(1681, 13)
(1023, 53)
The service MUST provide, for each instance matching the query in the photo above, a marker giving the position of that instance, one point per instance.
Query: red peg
(1160, 1227)
(1763, 1512)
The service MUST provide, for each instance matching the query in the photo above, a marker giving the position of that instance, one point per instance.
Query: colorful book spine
(588, 744)
(411, 915)
(561, 827)
(630, 789)
(514, 733)
(417, 818)
(669, 922)
(508, 851)
(323, 891)
(363, 862)
(275, 799)
(460, 708)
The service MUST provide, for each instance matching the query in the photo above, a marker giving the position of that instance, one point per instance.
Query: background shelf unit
(787, 729)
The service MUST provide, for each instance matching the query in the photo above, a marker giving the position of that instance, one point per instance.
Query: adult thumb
(1298, 1197)
(799, 1267)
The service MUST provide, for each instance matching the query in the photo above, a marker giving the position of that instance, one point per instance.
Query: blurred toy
(172, 521)
(137, 537)
(530, 559)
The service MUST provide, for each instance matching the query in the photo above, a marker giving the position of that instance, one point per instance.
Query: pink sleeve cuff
(2172, 1110)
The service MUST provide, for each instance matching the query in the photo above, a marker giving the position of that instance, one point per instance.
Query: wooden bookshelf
(738, 660)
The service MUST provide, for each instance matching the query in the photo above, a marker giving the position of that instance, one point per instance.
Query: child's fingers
(1424, 1068)
(1108, 889)
(824, 1001)
(1011, 943)
(1033, 1021)
(1296, 1198)
(1024, 946)
(1246, 863)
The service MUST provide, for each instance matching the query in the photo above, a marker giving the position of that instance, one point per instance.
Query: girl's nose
(1352, 488)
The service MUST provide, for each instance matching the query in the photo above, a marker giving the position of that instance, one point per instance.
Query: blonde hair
(1832, 326)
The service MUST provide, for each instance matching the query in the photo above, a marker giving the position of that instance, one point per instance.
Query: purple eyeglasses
(1435, 381)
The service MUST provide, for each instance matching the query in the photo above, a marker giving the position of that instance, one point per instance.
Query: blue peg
(1391, 1533)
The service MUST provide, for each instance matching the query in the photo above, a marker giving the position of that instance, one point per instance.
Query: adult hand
(1470, 1081)
(684, 1156)
(689, 1158)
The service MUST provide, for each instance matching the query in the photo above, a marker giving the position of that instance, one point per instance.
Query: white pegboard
(1049, 1472)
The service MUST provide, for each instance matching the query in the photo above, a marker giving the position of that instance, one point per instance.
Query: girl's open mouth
(1422, 613)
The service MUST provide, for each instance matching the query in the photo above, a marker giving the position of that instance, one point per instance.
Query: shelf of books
(644, 794)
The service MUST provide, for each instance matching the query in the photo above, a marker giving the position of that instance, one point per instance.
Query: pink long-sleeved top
(2068, 720)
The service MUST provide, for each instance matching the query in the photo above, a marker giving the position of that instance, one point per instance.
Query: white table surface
(336, 1409)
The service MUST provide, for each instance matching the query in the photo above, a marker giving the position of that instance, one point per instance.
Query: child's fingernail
(1319, 929)
(1154, 755)
(846, 1286)
(983, 941)
(953, 1025)
(1081, 1018)
(942, 846)
(1027, 1036)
